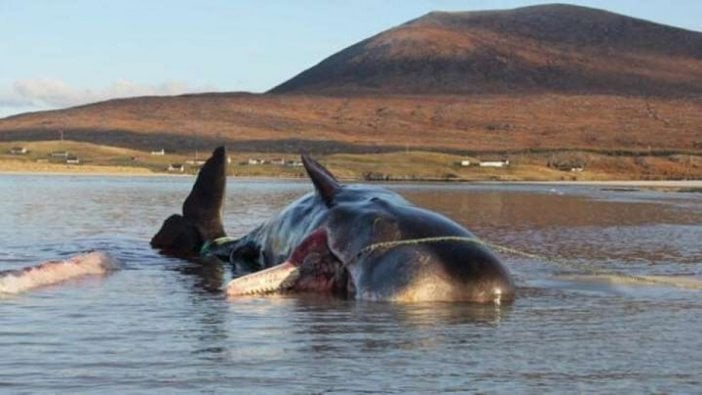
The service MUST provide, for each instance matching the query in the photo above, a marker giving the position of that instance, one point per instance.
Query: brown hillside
(555, 48)
(295, 123)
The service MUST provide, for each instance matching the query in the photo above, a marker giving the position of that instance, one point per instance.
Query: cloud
(9, 101)
(47, 93)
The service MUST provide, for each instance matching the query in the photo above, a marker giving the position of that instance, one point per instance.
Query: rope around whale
(561, 262)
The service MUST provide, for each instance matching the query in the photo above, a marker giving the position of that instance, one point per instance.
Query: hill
(535, 80)
(319, 124)
(548, 48)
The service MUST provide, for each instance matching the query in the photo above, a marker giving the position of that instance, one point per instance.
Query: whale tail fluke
(202, 211)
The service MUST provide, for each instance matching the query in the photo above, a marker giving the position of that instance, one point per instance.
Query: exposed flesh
(275, 279)
(53, 272)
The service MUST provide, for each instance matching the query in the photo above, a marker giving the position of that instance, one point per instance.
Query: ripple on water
(159, 324)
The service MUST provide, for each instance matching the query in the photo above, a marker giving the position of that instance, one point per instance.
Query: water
(159, 325)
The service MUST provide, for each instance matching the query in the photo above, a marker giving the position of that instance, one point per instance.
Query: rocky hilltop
(548, 48)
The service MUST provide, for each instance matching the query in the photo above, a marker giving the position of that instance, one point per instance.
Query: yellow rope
(424, 240)
(438, 239)
(689, 283)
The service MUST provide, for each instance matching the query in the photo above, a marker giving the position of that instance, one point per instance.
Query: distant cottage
(573, 168)
(570, 164)
(72, 160)
(59, 154)
(495, 163)
(176, 167)
(18, 151)
(159, 153)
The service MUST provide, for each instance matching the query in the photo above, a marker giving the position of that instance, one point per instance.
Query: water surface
(159, 324)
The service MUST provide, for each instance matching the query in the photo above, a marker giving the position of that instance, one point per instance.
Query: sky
(62, 53)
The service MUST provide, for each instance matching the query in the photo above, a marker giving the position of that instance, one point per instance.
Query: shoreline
(89, 173)
(612, 183)
(396, 167)
(132, 172)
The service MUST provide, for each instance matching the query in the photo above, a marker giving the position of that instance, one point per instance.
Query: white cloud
(47, 93)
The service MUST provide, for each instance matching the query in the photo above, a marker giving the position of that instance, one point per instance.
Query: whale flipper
(202, 211)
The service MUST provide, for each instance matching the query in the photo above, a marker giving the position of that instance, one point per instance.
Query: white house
(73, 160)
(59, 154)
(160, 153)
(18, 151)
(176, 167)
(495, 163)
(465, 163)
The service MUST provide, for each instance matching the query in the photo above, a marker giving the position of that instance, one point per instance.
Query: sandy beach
(22, 167)
(25, 167)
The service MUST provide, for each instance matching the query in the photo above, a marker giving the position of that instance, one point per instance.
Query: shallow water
(159, 324)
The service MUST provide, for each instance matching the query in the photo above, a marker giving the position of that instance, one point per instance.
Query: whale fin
(202, 211)
(203, 207)
(324, 181)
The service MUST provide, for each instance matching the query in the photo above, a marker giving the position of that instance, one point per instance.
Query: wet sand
(20, 167)
(617, 183)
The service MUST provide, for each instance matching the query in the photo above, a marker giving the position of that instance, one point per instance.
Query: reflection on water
(161, 324)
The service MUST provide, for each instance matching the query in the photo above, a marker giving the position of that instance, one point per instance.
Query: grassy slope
(410, 165)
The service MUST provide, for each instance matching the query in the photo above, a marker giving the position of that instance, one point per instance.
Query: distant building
(176, 167)
(568, 164)
(572, 169)
(59, 154)
(72, 160)
(294, 163)
(495, 163)
(278, 161)
(18, 151)
(160, 153)
(252, 161)
(465, 163)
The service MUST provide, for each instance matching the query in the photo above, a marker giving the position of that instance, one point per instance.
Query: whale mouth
(311, 268)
